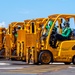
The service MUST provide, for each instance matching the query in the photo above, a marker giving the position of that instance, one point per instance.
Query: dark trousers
(59, 37)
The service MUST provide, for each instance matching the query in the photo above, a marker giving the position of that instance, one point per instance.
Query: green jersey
(66, 32)
(48, 27)
(16, 35)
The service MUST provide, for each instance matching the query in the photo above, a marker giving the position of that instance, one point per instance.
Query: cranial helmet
(66, 23)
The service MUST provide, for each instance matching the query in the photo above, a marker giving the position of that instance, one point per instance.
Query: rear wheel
(45, 57)
(73, 60)
(13, 54)
(67, 63)
(2, 51)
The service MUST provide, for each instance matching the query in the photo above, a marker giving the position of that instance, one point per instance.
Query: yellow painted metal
(18, 47)
(27, 55)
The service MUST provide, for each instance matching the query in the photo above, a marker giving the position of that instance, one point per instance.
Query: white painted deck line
(57, 63)
(30, 63)
(4, 64)
(71, 67)
(10, 68)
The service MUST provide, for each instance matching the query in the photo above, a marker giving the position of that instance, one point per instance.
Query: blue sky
(19, 10)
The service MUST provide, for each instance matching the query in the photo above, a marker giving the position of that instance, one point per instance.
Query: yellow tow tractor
(11, 39)
(32, 28)
(65, 50)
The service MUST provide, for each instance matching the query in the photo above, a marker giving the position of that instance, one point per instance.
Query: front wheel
(73, 60)
(45, 57)
(67, 63)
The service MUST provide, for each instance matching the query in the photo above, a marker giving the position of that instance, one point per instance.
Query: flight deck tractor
(11, 39)
(64, 50)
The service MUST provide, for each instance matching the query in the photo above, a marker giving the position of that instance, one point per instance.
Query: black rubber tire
(36, 63)
(13, 59)
(45, 57)
(2, 51)
(73, 60)
(23, 60)
(67, 63)
(14, 53)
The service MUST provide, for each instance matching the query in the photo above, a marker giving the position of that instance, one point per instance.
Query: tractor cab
(60, 29)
